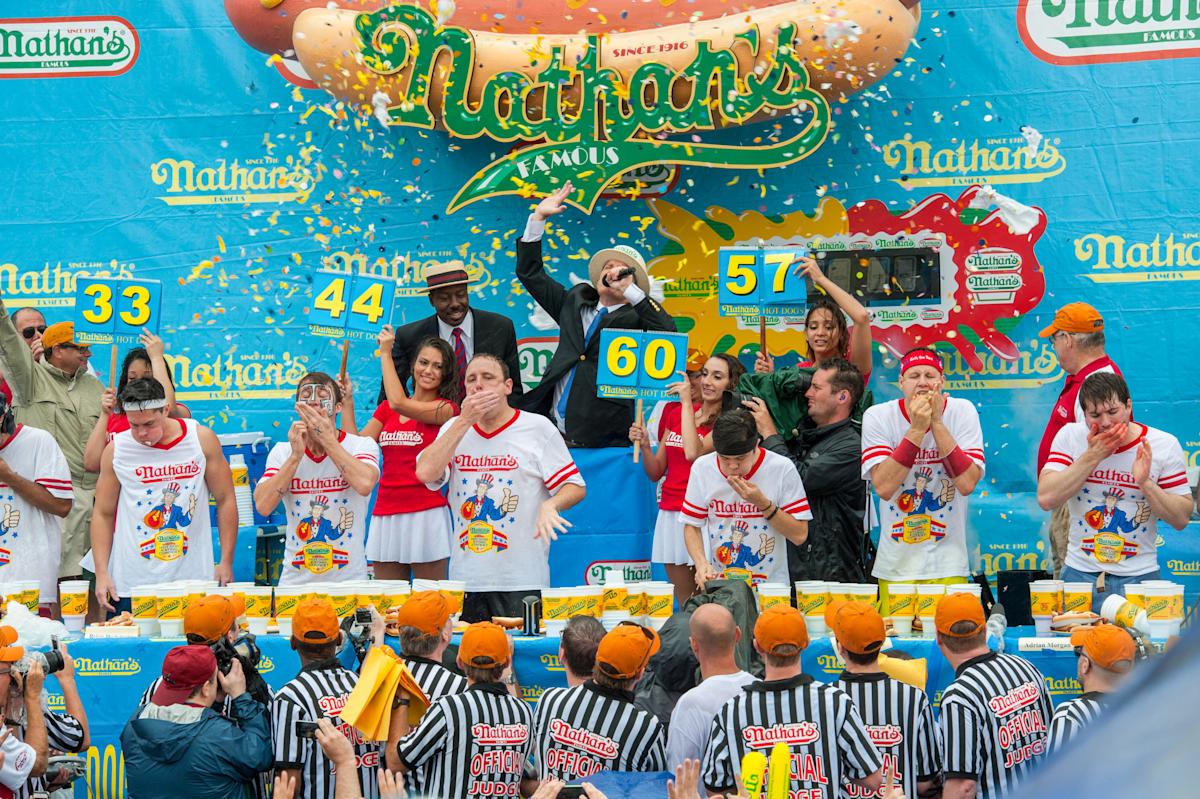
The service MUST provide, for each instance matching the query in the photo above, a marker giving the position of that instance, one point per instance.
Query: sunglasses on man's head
(33, 330)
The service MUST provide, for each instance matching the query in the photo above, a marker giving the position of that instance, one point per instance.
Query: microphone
(624, 273)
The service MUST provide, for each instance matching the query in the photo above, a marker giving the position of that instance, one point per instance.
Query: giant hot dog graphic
(607, 78)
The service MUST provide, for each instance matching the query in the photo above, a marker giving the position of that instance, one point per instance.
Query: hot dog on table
(846, 44)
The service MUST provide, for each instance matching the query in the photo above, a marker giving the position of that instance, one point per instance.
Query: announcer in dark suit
(617, 297)
(468, 330)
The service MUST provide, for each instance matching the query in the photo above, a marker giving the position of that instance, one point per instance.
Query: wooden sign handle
(112, 368)
(762, 335)
(345, 356)
(637, 445)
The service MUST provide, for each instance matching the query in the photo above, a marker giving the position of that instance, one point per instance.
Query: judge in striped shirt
(996, 713)
(472, 744)
(824, 732)
(425, 631)
(1105, 657)
(595, 726)
(898, 716)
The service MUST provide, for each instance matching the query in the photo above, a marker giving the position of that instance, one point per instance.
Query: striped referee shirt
(1072, 716)
(994, 718)
(474, 743)
(582, 730)
(900, 723)
(64, 733)
(319, 691)
(436, 681)
(261, 785)
(820, 725)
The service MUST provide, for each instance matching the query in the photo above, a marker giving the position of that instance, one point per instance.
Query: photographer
(178, 740)
(25, 713)
(212, 622)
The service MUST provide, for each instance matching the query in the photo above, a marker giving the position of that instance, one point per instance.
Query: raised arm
(436, 412)
(964, 471)
(545, 290)
(158, 366)
(270, 490)
(860, 334)
(1174, 509)
(16, 361)
(1056, 486)
(362, 476)
(889, 474)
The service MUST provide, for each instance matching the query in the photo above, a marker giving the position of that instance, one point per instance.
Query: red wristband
(906, 453)
(957, 462)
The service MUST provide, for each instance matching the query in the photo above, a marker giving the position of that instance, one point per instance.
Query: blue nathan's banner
(968, 167)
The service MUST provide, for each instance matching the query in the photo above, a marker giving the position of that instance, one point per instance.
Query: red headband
(920, 358)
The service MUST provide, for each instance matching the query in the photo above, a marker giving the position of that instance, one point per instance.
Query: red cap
(185, 668)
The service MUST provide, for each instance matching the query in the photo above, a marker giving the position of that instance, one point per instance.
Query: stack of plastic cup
(974, 589)
(393, 594)
(455, 591)
(170, 609)
(929, 595)
(770, 594)
(344, 598)
(660, 604)
(421, 584)
(73, 603)
(370, 593)
(286, 600)
(902, 607)
(838, 592)
(635, 600)
(29, 594)
(1045, 602)
(1136, 594)
(615, 591)
(1077, 597)
(1164, 607)
(556, 602)
(863, 592)
(143, 606)
(812, 596)
(593, 600)
(258, 608)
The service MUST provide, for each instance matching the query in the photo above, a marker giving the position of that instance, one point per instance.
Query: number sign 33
(115, 311)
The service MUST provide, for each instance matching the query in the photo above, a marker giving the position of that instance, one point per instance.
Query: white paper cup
(902, 625)
(73, 599)
(284, 626)
(770, 594)
(928, 629)
(660, 604)
(1042, 625)
(556, 604)
(170, 628)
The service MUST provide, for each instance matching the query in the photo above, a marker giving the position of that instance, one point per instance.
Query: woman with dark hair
(679, 433)
(410, 525)
(145, 361)
(826, 335)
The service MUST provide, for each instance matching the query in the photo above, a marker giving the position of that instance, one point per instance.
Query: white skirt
(669, 546)
(420, 537)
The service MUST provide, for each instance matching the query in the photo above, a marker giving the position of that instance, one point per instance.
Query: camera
(731, 400)
(51, 661)
(245, 649)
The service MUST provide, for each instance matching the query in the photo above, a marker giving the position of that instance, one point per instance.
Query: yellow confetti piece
(220, 244)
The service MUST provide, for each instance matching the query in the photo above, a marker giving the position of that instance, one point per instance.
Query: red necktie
(460, 359)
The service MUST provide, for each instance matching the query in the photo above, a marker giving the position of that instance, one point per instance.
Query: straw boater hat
(627, 256)
(446, 273)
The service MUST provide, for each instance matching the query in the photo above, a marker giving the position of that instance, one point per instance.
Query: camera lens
(54, 662)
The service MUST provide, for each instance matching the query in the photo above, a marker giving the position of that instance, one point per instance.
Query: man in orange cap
(996, 713)
(1105, 655)
(898, 716)
(594, 727)
(56, 394)
(819, 724)
(471, 744)
(425, 630)
(319, 691)
(1077, 335)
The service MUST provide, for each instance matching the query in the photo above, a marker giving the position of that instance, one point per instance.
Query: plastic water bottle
(997, 625)
(241, 490)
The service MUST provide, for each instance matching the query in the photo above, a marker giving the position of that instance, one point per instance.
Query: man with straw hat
(468, 330)
(616, 296)
(57, 395)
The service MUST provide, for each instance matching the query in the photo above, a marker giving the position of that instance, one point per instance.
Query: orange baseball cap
(59, 333)
(695, 360)
(315, 622)
(484, 645)
(626, 649)
(831, 609)
(209, 618)
(959, 607)
(1106, 645)
(1077, 317)
(780, 625)
(425, 610)
(859, 628)
(8, 652)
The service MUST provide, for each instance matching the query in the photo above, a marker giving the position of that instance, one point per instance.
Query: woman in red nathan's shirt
(147, 360)
(410, 525)
(679, 431)
(825, 332)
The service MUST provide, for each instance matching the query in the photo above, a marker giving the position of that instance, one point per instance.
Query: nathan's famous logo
(633, 571)
(1066, 32)
(1183, 568)
(409, 271)
(966, 314)
(797, 734)
(53, 286)
(533, 356)
(107, 667)
(551, 662)
(66, 47)
(1115, 259)
(237, 375)
(962, 163)
(1033, 366)
(222, 182)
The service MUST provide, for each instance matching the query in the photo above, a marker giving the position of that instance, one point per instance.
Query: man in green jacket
(58, 395)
